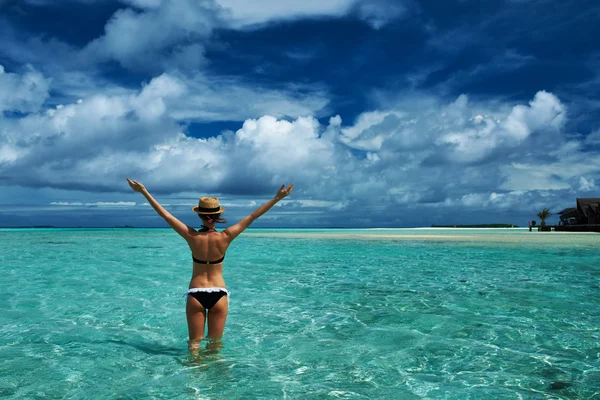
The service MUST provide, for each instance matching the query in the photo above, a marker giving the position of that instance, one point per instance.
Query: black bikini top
(220, 260)
(206, 229)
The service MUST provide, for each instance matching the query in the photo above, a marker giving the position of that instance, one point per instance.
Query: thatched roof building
(589, 209)
(586, 212)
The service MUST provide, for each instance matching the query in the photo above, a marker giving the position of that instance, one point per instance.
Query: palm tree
(543, 215)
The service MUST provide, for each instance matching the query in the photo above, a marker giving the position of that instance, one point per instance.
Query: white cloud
(378, 13)
(278, 145)
(150, 103)
(243, 12)
(474, 200)
(144, 3)
(108, 204)
(112, 204)
(533, 177)
(159, 35)
(593, 138)
(7, 152)
(568, 162)
(24, 93)
(459, 132)
(169, 34)
(333, 205)
(481, 135)
(369, 131)
(229, 204)
(198, 95)
(545, 111)
(202, 98)
(94, 145)
(220, 99)
(586, 184)
(107, 136)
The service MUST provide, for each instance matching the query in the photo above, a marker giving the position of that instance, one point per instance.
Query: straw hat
(208, 205)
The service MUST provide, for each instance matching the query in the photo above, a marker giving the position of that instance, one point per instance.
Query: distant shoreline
(477, 226)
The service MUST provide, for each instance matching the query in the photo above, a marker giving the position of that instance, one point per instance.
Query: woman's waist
(205, 281)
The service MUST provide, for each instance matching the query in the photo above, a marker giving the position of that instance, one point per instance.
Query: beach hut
(583, 218)
(588, 211)
(568, 216)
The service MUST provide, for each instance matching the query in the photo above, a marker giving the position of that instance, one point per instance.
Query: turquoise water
(380, 314)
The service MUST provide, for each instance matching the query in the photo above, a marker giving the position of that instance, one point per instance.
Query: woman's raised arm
(233, 231)
(179, 227)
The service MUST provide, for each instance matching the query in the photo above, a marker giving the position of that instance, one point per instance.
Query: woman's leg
(216, 318)
(196, 316)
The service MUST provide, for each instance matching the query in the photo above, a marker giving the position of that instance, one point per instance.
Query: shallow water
(407, 314)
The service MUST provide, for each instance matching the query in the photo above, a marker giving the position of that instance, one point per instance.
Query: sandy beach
(473, 235)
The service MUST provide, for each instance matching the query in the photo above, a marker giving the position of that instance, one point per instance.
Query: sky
(383, 113)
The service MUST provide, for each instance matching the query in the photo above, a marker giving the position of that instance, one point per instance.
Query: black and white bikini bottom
(209, 296)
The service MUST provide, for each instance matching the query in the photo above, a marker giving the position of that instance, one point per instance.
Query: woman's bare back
(208, 245)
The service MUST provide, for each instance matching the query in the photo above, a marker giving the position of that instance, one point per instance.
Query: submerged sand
(442, 234)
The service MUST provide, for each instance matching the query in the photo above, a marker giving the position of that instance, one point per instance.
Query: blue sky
(383, 113)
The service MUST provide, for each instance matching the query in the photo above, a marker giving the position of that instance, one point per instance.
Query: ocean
(314, 314)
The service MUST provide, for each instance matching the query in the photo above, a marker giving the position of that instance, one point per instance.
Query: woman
(207, 296)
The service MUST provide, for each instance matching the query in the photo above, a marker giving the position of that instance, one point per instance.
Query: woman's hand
(136, 186)
(281, 193)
